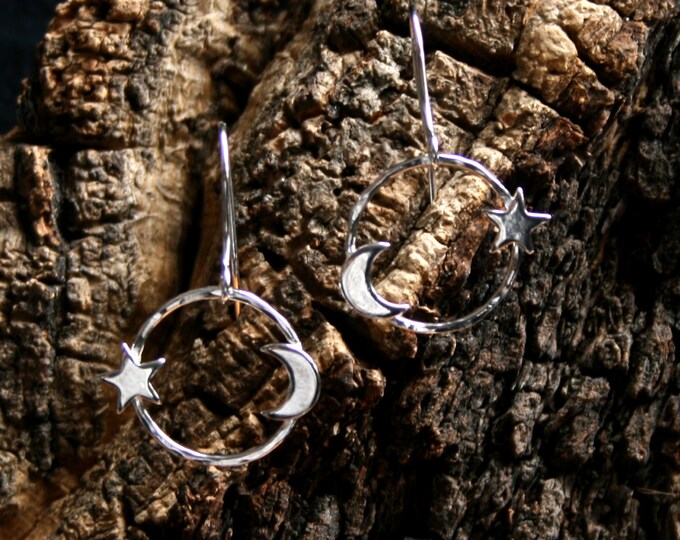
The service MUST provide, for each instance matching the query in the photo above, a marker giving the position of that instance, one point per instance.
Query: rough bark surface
(557, 417)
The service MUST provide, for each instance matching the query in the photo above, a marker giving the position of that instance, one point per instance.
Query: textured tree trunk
(557, 417)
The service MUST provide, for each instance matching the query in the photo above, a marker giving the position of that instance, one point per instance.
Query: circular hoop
(356, 284)
(212, 294)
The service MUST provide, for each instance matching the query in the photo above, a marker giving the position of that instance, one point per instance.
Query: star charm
(133, 379)
(516, 223)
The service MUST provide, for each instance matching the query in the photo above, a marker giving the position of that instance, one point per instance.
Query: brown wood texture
(557, 417)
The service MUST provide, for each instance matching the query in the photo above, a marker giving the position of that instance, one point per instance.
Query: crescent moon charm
(357, 288)
(303, 388)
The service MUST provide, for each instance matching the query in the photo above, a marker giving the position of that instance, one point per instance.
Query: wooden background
(558, 417)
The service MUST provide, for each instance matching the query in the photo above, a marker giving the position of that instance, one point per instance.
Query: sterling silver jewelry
(133, 379)
(514, 222)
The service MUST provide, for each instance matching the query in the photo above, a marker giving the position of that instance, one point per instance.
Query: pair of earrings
(514, 224)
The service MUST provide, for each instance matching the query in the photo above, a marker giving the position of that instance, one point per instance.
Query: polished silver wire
(137, 348)
(230, 274)
(420, 73)
(133, 378)
(354, 289)
(514, 222)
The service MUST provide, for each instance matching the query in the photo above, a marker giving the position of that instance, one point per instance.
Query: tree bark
(556, 417)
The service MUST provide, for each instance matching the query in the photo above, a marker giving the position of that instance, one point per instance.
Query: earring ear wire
(230, 273)
(133, 379)
(420, 73)
(514, 223)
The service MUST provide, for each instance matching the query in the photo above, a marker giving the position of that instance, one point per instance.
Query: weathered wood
(559, 416)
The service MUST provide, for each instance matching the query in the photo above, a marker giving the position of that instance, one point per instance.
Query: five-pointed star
(133, 379)
(516, 223)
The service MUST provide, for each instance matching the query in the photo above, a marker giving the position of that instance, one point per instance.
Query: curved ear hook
(133, 379)
(418, 53)
(230, 276)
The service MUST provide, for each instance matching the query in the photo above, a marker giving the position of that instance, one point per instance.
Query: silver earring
(514, 223)
(133, 379)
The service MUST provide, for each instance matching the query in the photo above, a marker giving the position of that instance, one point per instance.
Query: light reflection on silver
(303, 377)
(133, 379)
(420, 73)
(297, 403)
(357, 287)
(514, 223)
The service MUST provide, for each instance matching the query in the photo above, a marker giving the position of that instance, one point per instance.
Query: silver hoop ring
(514, 224)
(356, 284)
(215, 294)
(133, 379)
